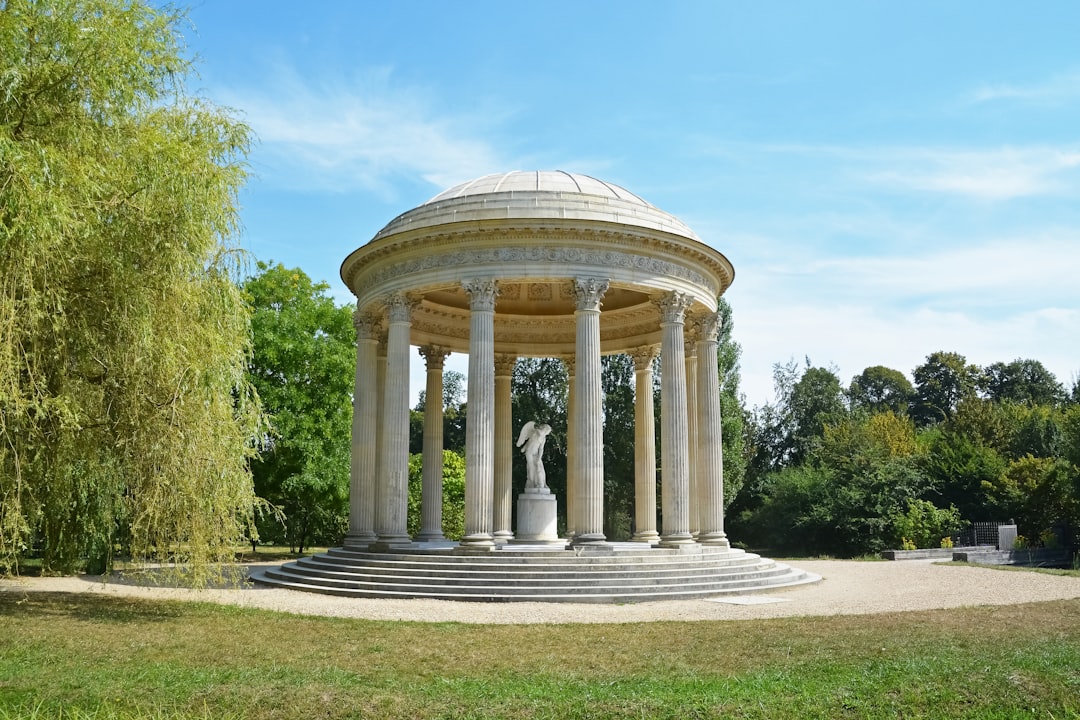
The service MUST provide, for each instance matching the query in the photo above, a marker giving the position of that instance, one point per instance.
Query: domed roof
(537, 181)
(536, 196)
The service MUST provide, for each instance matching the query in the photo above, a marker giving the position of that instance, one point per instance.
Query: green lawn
(105, 657)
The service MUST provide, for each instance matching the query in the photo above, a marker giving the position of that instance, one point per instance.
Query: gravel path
(848, 588)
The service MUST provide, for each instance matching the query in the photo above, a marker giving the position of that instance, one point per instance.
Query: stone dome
(534, 195)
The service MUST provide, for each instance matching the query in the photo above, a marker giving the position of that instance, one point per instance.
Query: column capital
(707, 326)
(400, 306)
(690, 337)
(366, 324)
(570, 363)
(673, 306)
(588, 292)
(482, 293)
(644, 356)
(504, 365)
(434, 356)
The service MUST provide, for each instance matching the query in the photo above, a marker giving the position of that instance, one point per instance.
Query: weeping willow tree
(125, 417)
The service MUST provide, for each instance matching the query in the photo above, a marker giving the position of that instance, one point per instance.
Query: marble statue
(531, 441)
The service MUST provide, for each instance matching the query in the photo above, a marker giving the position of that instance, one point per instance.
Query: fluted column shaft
(391, 520)
(690, 346)
(571, 447)
(589, 426)
(480, 415)
(710, 435)
(365, 430)
(431, 500)
(644, 447)
(674, 447)
(504, 445)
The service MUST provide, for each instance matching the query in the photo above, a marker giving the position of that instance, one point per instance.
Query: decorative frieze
(555, 255)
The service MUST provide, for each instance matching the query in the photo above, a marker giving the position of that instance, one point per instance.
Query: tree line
(885, 462)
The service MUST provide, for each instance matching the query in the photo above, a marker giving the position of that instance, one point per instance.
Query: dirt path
(848, 588)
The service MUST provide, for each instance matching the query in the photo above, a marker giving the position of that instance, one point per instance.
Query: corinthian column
(674, 446)
(589, 422)
(431, 499)
(504, 446)
(393, 489)
(710, 437)
(480, 415)
(365, 430)
(690, 346)
(571, 447)
(644, 447)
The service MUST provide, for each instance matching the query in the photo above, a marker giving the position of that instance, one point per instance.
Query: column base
(676, 539)
(362, 540)
(718, 539)
(690, 548)
(503, 537)
(589, 540)
(652, 538)
(391, 544)
(479, 541)
(430, 537)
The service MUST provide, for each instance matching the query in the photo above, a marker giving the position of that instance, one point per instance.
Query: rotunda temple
(537, 264)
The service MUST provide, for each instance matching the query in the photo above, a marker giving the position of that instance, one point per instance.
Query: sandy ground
(847, 588)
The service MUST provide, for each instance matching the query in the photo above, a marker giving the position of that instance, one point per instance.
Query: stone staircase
(625, 572)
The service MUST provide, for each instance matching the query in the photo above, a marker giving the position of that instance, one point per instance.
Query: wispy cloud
(1058, 89)
(998, 174)
(358, 133)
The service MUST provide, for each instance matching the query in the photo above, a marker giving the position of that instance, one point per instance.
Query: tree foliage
(1022, 381)
(880, 389)
(1001, 443)
(125, 415)
(302, 366)
(453, 498)
(941, 383)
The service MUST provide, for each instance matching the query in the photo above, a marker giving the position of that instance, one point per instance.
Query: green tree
(453, 499)
(125, 415)
(617, 381)
(880, 389)
(1022, 381)
(302, 367)
(816, 399)
(941, 383)
(732, 411)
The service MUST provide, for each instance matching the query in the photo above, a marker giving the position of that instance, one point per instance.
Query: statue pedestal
(536, 511)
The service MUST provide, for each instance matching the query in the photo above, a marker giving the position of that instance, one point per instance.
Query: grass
(101, 657)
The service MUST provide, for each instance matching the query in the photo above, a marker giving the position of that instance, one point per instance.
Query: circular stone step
(628, 573)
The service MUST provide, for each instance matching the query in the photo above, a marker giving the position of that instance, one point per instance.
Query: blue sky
(888, 179)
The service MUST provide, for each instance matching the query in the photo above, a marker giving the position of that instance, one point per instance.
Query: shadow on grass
(88, 607)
